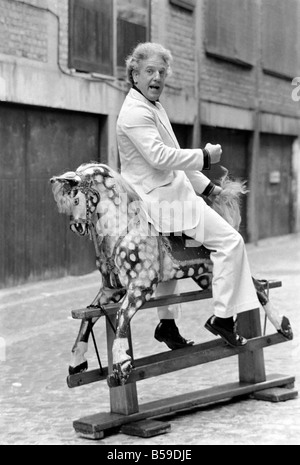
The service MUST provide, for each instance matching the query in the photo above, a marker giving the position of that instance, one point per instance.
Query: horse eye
(76, 202)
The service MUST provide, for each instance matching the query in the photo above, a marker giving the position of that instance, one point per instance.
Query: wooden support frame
(171, 361)
(125, 408)
(93, 426)
(123, 400)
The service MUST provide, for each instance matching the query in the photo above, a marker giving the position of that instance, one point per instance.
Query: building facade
(62, 84)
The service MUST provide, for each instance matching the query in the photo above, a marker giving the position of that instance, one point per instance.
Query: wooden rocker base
(277, 394)
(129, 417)
(94, 426)
(146, 428)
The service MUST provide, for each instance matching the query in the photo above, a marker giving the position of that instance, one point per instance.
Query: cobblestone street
(37, 334)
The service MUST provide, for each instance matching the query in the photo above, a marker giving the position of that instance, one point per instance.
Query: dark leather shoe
(286, 329)
(214, 325)
(79, 369)
(168, 333)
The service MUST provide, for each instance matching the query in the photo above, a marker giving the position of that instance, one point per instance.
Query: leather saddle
(185, 250)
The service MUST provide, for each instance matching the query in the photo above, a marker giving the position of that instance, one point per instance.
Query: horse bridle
(92, 199)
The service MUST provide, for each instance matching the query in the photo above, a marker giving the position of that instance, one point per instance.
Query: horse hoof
(79, 369)
(122, 371)
(286, 329)
(113, 381)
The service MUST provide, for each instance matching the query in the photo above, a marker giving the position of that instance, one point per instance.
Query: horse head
(76, 198)
(78, 195)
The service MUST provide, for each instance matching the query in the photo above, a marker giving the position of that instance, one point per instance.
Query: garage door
(235, 158)
(275, 186)
(36, 144)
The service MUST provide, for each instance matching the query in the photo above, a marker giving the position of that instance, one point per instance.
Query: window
(132, 25)
(281, 54)
(92, 32)
(91, 36)
(230, 30)
(186, 4)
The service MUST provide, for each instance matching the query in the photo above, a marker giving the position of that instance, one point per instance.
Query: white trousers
(170, 312)
(232, 286)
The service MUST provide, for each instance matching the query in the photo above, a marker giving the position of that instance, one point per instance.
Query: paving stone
(36, 406)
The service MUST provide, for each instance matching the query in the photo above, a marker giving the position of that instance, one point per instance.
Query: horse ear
(70, 177)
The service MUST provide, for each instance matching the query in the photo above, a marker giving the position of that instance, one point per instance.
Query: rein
(92, 198)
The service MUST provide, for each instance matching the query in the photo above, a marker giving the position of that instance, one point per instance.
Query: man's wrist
(206, 160)
(209, 189)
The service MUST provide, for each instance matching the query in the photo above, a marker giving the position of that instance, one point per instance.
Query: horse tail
(228, 202)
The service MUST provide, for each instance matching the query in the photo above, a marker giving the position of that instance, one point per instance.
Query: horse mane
(94, 168)
(63, 201)
(228, 202)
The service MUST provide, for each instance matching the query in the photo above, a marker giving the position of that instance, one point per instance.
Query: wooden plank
(186, 4)
(280, 37)
(123, 399)
(146, 428)
(129, 35)
(171, 361)
(274, 200)
(251, 362)
(92, 425)
(89, 313)
(277, 394)
(230, 30)
(91, 36)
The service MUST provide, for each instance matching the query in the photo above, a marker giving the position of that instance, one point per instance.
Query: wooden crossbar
(171, 361)
(90, 312)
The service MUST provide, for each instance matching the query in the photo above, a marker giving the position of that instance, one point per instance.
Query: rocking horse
(132, 257)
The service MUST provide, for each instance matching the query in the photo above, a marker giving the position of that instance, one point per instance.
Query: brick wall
(23, 28)
(23, 31)
(276, 96)
(235, 85)
(225, 82)
(181, 40)
(174, 27)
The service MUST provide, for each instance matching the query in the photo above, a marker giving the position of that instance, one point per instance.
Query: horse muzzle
(79, 227)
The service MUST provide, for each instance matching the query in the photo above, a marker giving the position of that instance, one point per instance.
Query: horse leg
(280, 322)
(133, 301)
(203, 277)
(78, 361)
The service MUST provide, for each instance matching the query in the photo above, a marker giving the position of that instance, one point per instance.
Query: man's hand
(215, 152)
(216, 191)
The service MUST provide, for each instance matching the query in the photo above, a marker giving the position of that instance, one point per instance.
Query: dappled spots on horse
(130, 255)
(136, 259)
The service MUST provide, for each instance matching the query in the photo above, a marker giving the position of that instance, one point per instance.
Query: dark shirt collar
(138, 90)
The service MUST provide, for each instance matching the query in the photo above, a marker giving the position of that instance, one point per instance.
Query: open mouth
(79, 229)
(157, 88)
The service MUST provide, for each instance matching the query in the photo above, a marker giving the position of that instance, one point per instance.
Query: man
(162, 173)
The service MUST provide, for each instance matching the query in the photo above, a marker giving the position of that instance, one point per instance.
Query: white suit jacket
(164, 175)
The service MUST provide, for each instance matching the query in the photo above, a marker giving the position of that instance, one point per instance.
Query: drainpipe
(199, 11)
(253, 207)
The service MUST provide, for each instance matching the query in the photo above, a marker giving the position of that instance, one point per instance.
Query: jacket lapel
(160, 111)
(163, 117)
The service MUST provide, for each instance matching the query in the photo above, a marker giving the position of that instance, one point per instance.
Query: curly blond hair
(144, 51)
